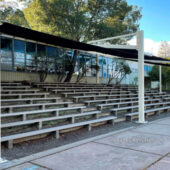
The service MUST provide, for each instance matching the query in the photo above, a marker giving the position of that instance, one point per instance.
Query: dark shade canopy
(29, 34)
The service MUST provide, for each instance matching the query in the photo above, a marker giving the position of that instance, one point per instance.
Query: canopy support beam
(160, 79)
(141, 88)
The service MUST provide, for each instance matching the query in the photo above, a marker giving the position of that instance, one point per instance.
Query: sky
(155, 22)
(156, 18)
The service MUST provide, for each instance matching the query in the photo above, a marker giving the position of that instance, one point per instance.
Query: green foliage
(34, 16)
(154, 74)
(82, 20)
(18, 19)
(11, 13)
(4, 14)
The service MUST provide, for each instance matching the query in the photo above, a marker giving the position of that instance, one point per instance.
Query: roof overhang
(28, 34)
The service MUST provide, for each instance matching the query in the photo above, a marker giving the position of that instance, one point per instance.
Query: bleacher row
(36, 110)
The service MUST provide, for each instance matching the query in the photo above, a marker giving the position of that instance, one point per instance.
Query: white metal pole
(141, 90)
(160, 79)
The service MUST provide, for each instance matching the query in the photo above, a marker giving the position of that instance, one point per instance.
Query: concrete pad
(154, 129)
(163, 164)
(164, 122)
(143, 142)
(93, 156)
(27, 166)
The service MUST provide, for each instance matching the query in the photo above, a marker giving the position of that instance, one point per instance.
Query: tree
(154, 75)
(119, 70)
(5, 13)
(164, 49)
(81, 20)
(11, 12)
(18, 18)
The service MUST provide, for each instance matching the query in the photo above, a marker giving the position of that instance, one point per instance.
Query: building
(22, 58)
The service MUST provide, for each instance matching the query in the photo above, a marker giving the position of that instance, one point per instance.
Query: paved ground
(144, 147)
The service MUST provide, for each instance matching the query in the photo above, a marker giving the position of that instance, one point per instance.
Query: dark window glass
(41, 54)
(41, 50)
(30, 48)
(6, 44)
(31, 65)
(6, 54)
(41, 60)
(50, 51)
(19, 55)
(19, 46)
(51, 59)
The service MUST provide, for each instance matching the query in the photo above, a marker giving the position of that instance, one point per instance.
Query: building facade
(22, 59)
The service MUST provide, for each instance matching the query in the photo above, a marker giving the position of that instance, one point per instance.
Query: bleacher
(36, 110)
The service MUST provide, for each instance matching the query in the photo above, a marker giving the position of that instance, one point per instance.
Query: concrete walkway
(144, 147)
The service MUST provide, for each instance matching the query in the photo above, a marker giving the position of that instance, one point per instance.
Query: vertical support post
(160, 79)
(97, 71)
(141, 90)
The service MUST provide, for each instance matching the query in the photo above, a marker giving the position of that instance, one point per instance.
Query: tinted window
(30, 57)
(19, 46)
(30, 48)
(6, 44)
(41, 50)
(19, 55)
(6, 54)
(50, 51)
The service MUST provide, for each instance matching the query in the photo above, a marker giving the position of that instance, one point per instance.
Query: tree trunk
(110, 79)
(72, 66)
(118, 82)
(43, 76)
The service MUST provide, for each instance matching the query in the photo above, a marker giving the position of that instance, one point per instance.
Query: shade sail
(29, 34)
